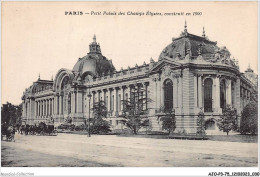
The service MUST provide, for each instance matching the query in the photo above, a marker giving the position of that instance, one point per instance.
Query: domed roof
(94, 63)
(192, 44)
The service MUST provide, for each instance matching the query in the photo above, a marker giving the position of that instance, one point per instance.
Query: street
(111, 150)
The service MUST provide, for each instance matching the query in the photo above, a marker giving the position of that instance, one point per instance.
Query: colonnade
(112, 96)
(44, 108)
(245, 96)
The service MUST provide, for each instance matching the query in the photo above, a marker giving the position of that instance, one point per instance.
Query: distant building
(192, 72)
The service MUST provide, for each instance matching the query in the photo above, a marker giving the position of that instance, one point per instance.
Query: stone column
(35, 109)
(48, 107)
(57, 105)
(156, 100)
(200, 91)
(99, 95)
(217, 93)
(40, 104)
(122, 98)
(60, 105)
(161, 92)
(93, 98)
(104, 95)
(105, 98)
(110, 99)
(42, 107)
(115, 106)
(139, 95)
(237, 98)
(79, 101)
(175, 94)
(116, 101)
(146, 84)
(128, 92)
(24, 109)
(213, 94)
(39, 108)
(245, 94)
(228, 92)
(30, 105)
(53, 106)
(73, 104)
(195, 91)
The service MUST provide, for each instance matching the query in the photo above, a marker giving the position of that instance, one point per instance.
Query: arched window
(222, 94)
(208, 95)
(168, 94)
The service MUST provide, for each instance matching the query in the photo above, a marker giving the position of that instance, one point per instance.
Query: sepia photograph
(129, 84)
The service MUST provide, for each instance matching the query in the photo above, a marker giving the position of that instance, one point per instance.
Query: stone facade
(200, 74)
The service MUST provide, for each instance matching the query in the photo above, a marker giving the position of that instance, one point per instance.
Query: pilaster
(79, 101)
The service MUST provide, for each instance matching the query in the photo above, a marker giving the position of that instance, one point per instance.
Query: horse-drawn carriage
(42, 128)
(46, 129)
(8, 131)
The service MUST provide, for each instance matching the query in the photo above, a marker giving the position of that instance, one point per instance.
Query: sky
(38, 38)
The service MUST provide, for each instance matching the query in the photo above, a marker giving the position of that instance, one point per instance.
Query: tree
(147, 124)
(11, 114)
(249, 122)
(228, 120)
(134, 110)
(98, 124)
(168, 120)
(201, 123)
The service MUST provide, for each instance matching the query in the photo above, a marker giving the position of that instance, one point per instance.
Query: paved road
(110, 150)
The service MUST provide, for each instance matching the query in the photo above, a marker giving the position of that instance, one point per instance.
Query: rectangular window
(116, 122)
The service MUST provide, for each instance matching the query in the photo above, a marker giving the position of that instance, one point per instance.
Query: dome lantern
(203, 33)
(94, 47)
(185, 28)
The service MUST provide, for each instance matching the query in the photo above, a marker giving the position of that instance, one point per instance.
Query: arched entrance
(208, 95)
(66, 99)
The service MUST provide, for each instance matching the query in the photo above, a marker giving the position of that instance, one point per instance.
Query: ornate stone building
(192, 73)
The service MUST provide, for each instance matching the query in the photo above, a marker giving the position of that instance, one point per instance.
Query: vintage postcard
(129, 84)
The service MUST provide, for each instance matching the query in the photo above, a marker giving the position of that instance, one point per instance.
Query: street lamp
(89, 96)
